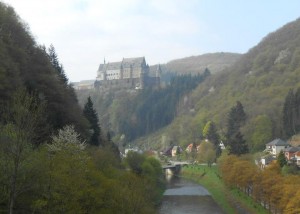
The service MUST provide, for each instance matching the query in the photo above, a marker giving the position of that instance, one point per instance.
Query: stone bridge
(174, 167)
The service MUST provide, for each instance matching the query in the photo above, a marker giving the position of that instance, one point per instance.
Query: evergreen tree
(288, 114)
(291, 113)
(56, 65)
(237, 145)
(210, 133)
(297, 107)
(91, 115)
(236, 119)
(281, 159)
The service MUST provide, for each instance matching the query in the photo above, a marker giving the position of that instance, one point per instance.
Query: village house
(290, 153)
(172, 151)
(297, 157)
(222, 146)
(176, 150)
(189, 148)
(265, 160)
(275, 146)
(273, 149)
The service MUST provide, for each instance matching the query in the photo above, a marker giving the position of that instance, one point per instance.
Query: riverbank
(231, 201)
(186, 196)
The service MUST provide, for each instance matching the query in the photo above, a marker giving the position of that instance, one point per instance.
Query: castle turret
(101, 71)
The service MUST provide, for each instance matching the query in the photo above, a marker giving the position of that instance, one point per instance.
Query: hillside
(26, 65)
(215, 62)
(260, 79)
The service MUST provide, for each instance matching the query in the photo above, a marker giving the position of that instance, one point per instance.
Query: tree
(236, 119)
(237, 145)
(262, 132)
(281, 159)
(206, 153)
(58, 67)
(91, 115)
(210, 133)
(291, 113)
(68, 167)
(135, 162)
(21, 118)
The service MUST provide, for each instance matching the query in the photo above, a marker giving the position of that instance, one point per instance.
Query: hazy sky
(85, 31)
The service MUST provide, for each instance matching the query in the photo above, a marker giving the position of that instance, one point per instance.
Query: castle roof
(101, 67)
(126, 63)
(134, 62)
(113, 65)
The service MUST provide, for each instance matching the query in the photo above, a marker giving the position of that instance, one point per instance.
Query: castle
(130, 73)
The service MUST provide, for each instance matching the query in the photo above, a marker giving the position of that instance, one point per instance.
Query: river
(186, 197)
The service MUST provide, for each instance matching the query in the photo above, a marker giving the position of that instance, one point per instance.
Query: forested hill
(215, 62)
(260, 80)
(130, 114)
(25, 65)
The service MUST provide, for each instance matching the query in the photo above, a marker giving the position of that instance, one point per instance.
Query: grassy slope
(215, 62)
(232, 201)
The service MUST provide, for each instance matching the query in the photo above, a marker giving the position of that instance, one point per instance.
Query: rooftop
(277, 142)
(126, 62)
(292, 149)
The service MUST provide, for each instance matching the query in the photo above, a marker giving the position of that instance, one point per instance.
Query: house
(275, 146)
(191, 147)
(172, 151)
(265, 160)
(222, 146)
(176, 150)
(297, 157)
(168, 151)
(290, 152)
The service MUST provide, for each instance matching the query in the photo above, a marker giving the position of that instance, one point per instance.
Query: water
(187, 197)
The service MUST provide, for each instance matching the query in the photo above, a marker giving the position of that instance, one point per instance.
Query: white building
(275, 146)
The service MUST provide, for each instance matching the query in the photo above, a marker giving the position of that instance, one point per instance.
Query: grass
(231, 200)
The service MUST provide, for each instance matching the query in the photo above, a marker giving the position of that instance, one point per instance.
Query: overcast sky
(85, 31)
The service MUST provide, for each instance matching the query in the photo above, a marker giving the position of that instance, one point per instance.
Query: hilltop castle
(130, 73)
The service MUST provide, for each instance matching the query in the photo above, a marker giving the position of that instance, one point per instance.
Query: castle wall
(119, 83)
(113, 74)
